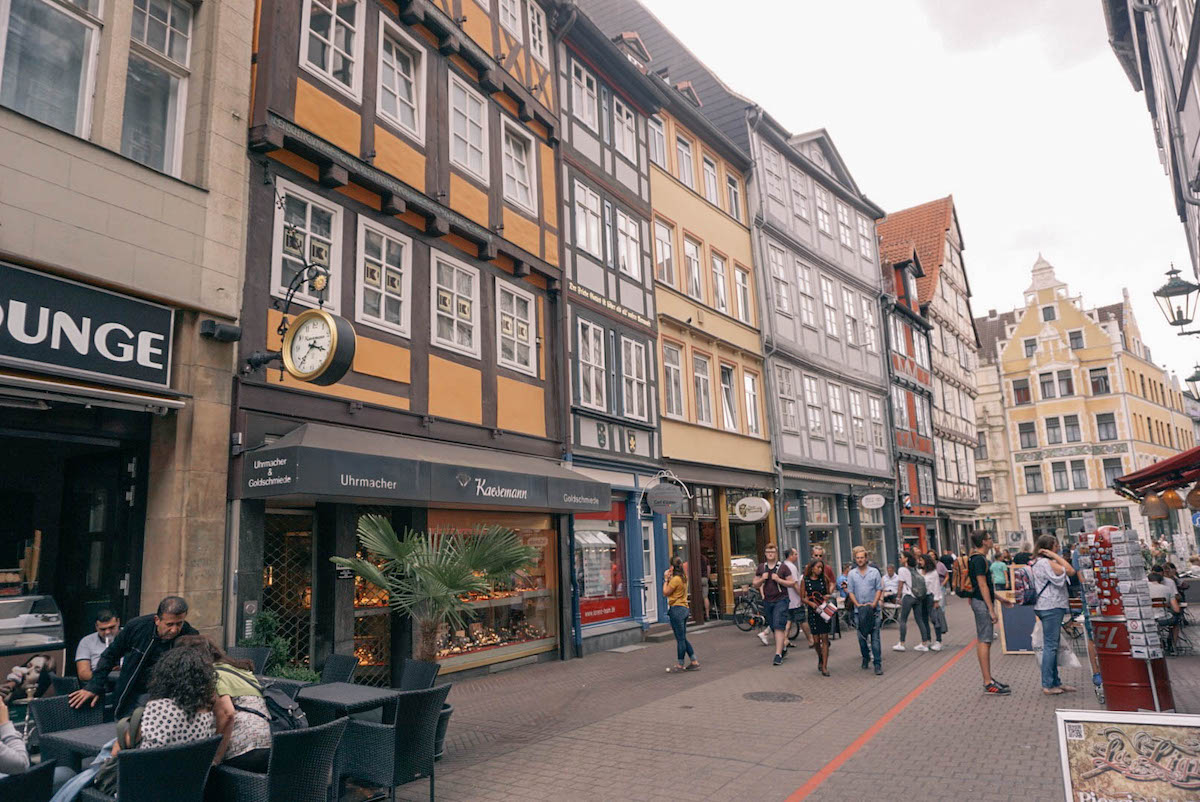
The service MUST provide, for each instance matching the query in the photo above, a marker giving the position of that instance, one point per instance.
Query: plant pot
(439, 739)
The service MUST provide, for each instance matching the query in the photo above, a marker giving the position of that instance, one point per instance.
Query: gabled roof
(926, 226)
(839, 172)
(607, 56)
(686, 89)
(897, 253)
(991, 330)
(1115, 311)
(634, 44)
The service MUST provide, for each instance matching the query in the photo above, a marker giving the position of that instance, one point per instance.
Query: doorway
(650, 578)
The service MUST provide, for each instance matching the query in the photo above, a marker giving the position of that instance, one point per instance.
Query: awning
(29, 392)
(318, 461)
(1177, 471)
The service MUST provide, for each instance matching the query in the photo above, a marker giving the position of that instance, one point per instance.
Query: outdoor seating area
(377, 737)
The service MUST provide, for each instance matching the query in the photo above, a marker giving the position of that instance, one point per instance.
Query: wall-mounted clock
(319, 347)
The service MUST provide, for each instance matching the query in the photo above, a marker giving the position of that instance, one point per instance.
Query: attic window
(687, 90)
(634, 47)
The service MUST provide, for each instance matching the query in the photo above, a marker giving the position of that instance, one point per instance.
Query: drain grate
(771, 696)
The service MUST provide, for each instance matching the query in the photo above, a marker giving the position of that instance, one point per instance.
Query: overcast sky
(1018, 108)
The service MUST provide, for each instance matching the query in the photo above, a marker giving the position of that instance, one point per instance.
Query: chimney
(991, 314)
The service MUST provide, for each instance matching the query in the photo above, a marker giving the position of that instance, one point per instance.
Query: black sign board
(68, 327)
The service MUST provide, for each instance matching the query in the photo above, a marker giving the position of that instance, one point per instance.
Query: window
(1028, 434)
(750, 383)
(823, 211)
(1058, 471)
(779, 280)
(850, 307)
(1079, 479)
(658, 143)
(702, 389)
(683, 158)
(837, 418)
(1112, 470)
(155, 89)
(1030, 348)
(900, 407)
(773, 167)
(845, 235)
(1021, 392)
(921, 408)
(455, 305)
(664, 265)
(519, 180)
(1033, 479)
(538, 47)
(1071, 424)
(1066, 383)
(856, 418)
(720, 292)
(877, 435)
(827, 296)
(583, 95)
(468, 129)
(799, 194)
(48, 66)
(1076, 339)
(516, 328)
(729, 409)
(331, 47)
(673, 380)
(733, 193)
(1053, 431)
(633, 375)
(921, 346)
(981, 448)
(925, 483)
(401, 80)
(866, 238)
(308, 229)
(787, 399)
(587, 221)
(812, 397)
(808, 303)
(510, 17)
(1046, 382)
(1106, 426)
(985, 489)
(593, 382)
(384, 277)
(624, 130)
(1048, 313)
(691, 259)
(710, 182)
(1099, 378)
(629, 245)
(741, 279)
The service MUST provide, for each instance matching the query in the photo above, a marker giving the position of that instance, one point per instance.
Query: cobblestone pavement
(616, 726)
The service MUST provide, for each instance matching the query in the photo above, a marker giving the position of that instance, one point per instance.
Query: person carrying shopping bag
(1051, 573)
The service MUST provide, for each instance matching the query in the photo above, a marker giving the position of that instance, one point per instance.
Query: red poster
(592, 611)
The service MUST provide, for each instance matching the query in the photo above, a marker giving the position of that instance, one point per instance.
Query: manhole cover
(771, 696)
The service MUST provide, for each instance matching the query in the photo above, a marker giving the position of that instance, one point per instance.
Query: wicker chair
(54, 714)
(339, 668)
(255, 654)
(301, 768)
(34, 785)
(64, 685)
(391, 754)
(164, 774)
(417, 675)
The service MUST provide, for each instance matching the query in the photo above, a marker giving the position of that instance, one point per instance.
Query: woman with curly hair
(182, 689)
(239, 711)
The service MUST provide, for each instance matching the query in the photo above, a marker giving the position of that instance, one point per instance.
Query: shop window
(600, 570)
(516, 328)
(704, 502)
(287, 580)
(331, 43)
(308, 230)
(455, 305)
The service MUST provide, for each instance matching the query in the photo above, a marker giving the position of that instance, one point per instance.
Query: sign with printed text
(1108, 755)
(752, 509)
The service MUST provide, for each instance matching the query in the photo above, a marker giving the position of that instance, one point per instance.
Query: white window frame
(720, 280)
(829, 300)
(455, 79)
(799, 182)
(629, 245)
(709, 169)
(870, 326)
(658, 142)
(744, 294)
(808, 314)
(539, 46)
(285, 187)
(875, 405)
(694, 270)
(685, 168)
(857, 422)
(750, 392)
(849, 304)
(509, 128)
(633, 354)
(788, 420)
(900, 408)
(837, 414)
(513, 8)
(702, 388)
(595, 369)
(668, 274)
(823, 211)
(473, 350)
(733, 196)
(866, 238)
(729, 397)
(355, 89)
(624, 130)
(673, 380)
(782, 287)
(588, 226)
(845, 234)
(773, 167)
(360, 314)
(513, 364)
(585, 96)
(401, 37)
(814, 409)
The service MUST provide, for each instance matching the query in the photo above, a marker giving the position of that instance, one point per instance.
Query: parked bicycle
(748, 614)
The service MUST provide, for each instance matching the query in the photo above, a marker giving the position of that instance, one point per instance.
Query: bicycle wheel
(743, 616)
(793, 630)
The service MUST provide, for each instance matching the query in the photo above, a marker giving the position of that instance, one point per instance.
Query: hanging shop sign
(752, 509)
(872, 501)
(64, 326)
(665, 498)
(318, 347)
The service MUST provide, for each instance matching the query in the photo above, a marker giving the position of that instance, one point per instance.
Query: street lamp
(1177, 300)
(1193, 383)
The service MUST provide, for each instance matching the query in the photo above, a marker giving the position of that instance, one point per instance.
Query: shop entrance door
(651, 580)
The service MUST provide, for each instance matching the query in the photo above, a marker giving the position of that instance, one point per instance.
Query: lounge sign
(67, 327)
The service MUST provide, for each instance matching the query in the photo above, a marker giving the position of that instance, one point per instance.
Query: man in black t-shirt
(774, 578)
(983, 606)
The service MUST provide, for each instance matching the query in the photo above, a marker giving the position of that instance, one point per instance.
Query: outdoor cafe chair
(300, 768)
(339, 668)
(255, 654)
(161, 774)
(417, 675)
(32, 785)
(64, 685)
(53, 714)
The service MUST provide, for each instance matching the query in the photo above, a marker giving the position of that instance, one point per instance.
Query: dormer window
(1049, 313)
(687, 90)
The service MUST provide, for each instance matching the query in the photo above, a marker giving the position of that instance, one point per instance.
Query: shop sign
(68, 327)
(593, 611)
(752, 509)
(791, 512)
(1114, 756)
(665, 498)
(873, 501)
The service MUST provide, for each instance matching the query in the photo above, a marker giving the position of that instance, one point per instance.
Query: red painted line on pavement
(821, 776)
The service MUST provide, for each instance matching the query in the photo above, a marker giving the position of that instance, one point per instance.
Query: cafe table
(77, 746)
(325, 702)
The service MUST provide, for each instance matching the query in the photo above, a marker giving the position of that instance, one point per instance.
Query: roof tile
(925, 226)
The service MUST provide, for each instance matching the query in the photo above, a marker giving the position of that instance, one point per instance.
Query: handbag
(129, 735)
(827, 610)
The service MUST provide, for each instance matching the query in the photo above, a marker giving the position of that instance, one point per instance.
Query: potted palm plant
(429, 576)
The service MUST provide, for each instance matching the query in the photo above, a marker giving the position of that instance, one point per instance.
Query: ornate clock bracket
(318, 278)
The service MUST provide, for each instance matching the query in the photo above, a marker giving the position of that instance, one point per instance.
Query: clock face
(311, 345)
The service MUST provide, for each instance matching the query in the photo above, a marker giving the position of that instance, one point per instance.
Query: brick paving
(617, 726)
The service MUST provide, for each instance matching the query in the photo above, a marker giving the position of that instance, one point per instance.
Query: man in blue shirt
(865, 587)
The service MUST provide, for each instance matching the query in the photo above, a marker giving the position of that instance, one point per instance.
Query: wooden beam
(448, 45)
(264, 139)
(392, 204)
(487, 251)
(412, 12)
(437, 225)
(521, 269)
(333, 175)
(490, 80)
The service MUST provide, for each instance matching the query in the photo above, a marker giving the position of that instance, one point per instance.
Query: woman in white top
(909, 602)
(1051, 572)
(933, 583)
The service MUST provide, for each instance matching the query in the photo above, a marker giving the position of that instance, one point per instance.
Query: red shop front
(601, 566)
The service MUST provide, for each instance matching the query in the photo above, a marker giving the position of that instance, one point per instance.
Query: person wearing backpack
(914, 595)
(239, 710)
(973, 581)
(1051, 573)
